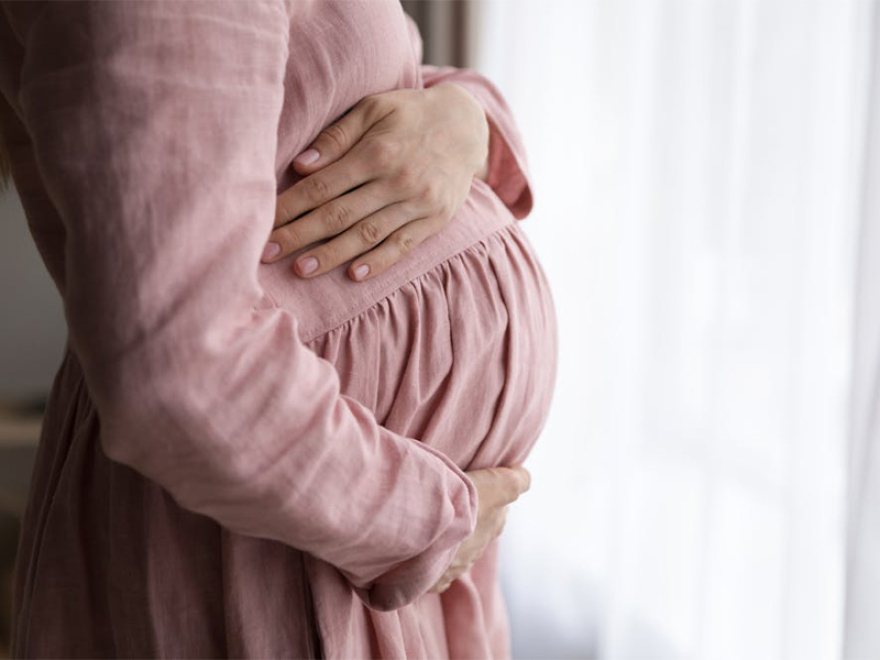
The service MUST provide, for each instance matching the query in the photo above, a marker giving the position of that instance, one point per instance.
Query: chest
(340, 51)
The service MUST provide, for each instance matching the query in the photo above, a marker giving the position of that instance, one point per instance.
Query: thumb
(335, 141)
(520, 481)
(510, 482)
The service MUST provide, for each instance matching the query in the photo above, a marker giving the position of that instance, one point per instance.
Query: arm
(508, 172)
(154, 129)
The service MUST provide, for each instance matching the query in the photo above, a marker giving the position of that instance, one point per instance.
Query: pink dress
(237, 462)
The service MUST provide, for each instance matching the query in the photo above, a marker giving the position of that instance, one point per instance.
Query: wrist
(481, 131)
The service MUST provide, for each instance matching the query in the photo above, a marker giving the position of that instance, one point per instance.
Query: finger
(442, 583)
(439, 588)
(520, 480)
(326, 221)
(340, 136)
(453, 575)
(523, 479)
(394, 248)
(319, 188)
(363, 236)
(512, 482)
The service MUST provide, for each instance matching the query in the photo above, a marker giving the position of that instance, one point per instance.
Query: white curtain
(862, 623)
(698, 170)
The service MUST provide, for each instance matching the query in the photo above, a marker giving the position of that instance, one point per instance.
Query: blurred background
(706, 187)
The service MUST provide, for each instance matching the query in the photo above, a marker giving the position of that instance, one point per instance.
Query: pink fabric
(235, 461)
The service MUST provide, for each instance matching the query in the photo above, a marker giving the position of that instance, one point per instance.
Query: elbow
(132, 409)
(142, 411)
(159, 429)
(166, 417)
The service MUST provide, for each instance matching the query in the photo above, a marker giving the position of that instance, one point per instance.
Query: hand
(386, 176)
(496, 488)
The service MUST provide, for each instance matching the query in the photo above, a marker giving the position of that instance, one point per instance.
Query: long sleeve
(508, 172)
(154, 129)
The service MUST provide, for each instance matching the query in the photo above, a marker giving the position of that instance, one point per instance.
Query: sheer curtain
(697, 173)
(862, 633)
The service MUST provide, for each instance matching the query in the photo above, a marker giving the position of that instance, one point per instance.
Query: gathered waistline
(328, 301)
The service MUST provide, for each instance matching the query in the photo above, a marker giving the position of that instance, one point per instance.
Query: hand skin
(496, 488)
(389, 174)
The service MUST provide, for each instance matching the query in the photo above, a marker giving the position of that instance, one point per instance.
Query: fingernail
(271, 251)
(308, 157)
(361, 271)
(307, 265)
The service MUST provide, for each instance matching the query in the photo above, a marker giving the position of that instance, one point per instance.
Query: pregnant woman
(255, 447)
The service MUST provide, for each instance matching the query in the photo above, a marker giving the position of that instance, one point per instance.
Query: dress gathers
(235, 461)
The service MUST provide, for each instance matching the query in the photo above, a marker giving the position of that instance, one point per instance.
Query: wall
(32, 328)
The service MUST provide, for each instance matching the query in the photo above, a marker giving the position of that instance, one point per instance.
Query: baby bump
(462, 357)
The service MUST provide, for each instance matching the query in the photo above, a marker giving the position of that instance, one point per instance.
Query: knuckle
(375, 106)
(337, 218)
(291, 238)
(282, 210)
(405, 242)
(370, 103)
(431, 191)
(406, 179)
(317, 188)
(369, 232)
(383, 152)
(335, 136)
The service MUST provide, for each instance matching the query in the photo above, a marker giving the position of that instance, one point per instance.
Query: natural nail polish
(308, 265)
(361, 271)
(271, 251)
(308, 157)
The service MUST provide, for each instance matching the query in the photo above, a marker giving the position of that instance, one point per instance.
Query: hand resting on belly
(386, 176)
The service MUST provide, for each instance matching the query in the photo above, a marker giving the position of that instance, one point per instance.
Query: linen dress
(237, 462)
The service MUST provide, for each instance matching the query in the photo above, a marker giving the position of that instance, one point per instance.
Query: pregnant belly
(462, 356)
